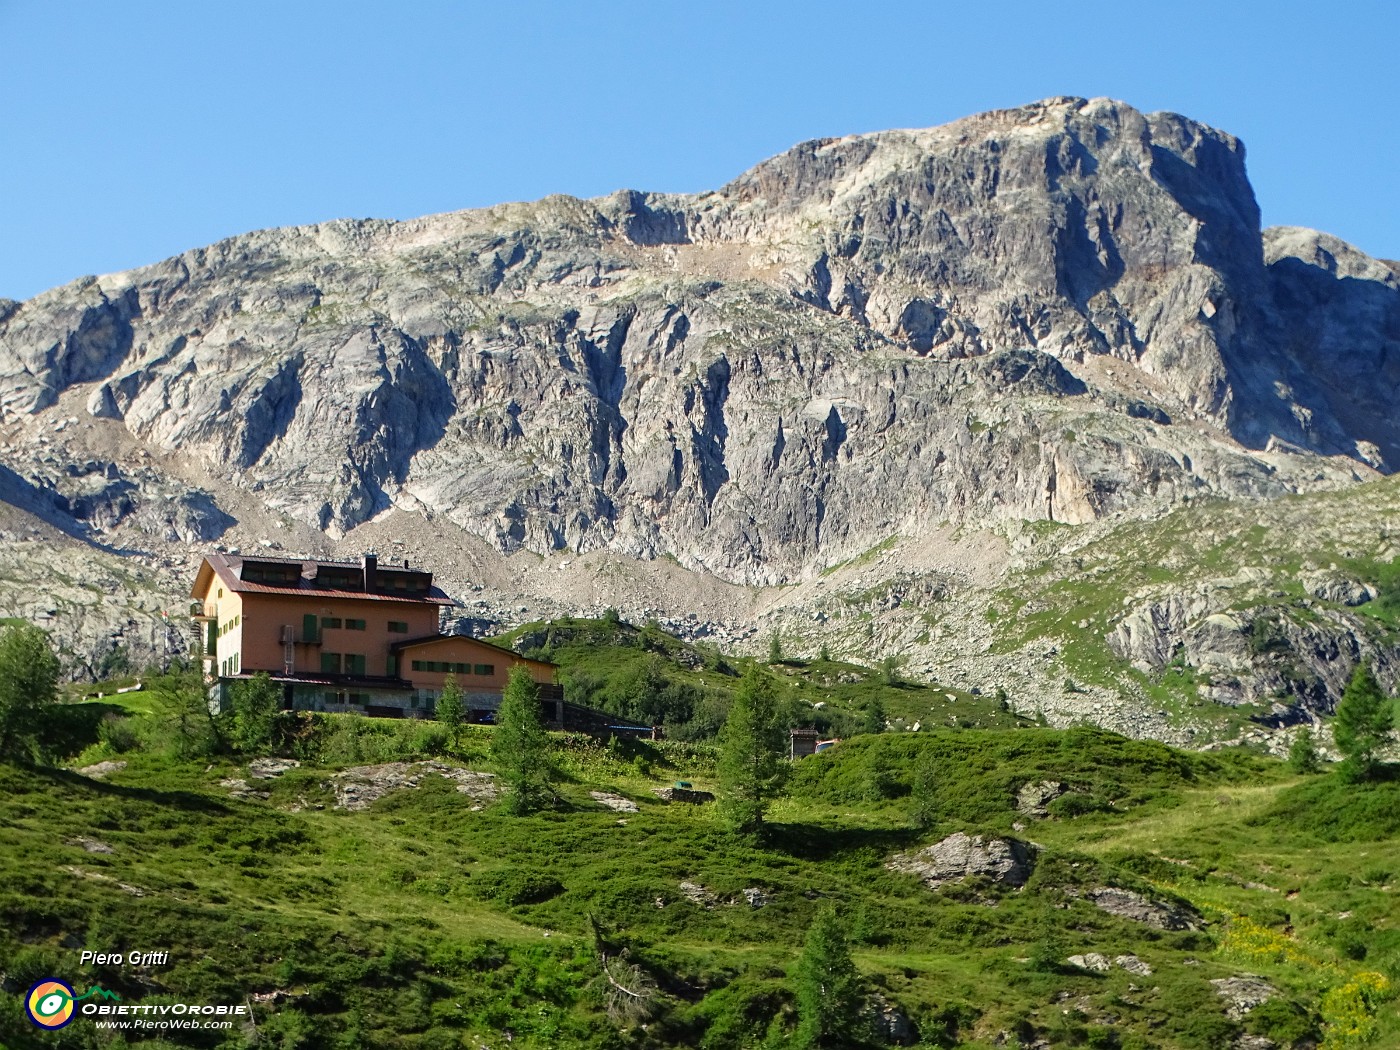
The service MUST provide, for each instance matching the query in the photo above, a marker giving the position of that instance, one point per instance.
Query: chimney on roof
(369, 561)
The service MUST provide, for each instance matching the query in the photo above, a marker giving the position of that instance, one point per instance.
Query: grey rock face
(1331, 588)
(1004, 861)
(1257, 655)
(1064, 310)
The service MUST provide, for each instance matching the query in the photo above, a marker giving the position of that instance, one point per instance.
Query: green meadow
(433, 918)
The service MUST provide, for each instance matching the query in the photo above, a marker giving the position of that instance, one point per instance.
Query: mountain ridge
(1061, 312)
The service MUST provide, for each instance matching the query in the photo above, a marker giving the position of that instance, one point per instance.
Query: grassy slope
(597, 660)
(422, 920)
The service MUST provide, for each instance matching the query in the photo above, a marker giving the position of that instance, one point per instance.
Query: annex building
(358, 637)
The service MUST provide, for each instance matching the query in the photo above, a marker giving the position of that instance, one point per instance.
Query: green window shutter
(330, 663)
(308, 628)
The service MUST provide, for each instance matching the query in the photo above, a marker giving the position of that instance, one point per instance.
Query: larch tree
(520, 745)
(255, 706)
(751, 767)
(831, 1003)
(451, 709)
(1365, 719)
(28, 688)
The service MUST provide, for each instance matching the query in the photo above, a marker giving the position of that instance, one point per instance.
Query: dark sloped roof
(229, 567)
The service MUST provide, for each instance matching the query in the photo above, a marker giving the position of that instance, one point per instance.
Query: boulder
(1331, 588)
(270, 768)
(358, 787)
(1133, 965)
(102, 770)
(1033, 798)
(676, 794)
(1243, 992)
(614, 802)
(959, 856)
(892, 1022)
(1129, 905)
(1093, 961)
(90, 845)
(698, 894)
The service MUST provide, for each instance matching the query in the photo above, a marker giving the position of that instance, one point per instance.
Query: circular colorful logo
(49, 1003)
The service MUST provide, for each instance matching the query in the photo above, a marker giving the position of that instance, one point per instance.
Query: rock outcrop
(1007, 862)
(1129, 905)
(1034, 798)
(1243, 992)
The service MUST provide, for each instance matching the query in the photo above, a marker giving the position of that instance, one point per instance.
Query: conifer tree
(520, 745)
(451, 708)
(255, 706)
(874, 719)
(1302, 753)
(1364, 722)
(751, 767)
(831, 1007)
(186, 726)
(28, 686)
(924, 791)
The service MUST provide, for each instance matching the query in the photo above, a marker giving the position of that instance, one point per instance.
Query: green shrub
(1285, 1022)
(514, 886)
(1076, 804)
(1302, 753)
(119, 734)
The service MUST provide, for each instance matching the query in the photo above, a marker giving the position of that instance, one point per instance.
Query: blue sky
(133, 131)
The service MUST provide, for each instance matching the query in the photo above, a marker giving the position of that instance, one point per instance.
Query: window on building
(418, 665)
(354, 663)
(308, 628)
(398, 627)
(391, 666)
(329, 622)
(237, 663)
(486, 669)
(354, 625)
(330, 663)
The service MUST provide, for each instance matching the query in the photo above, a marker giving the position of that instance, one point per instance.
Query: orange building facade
(347, 637)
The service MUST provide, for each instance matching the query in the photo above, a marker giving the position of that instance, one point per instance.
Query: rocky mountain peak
(1061, 310)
